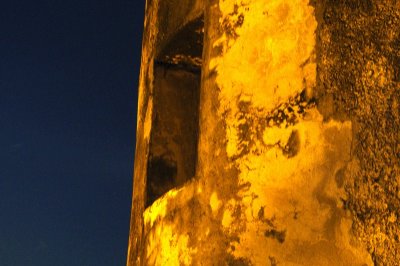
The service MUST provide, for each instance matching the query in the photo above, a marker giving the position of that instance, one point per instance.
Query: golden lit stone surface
(298, 145)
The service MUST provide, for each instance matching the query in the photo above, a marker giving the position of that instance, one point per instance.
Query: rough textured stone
(359, 73)
(297, 159)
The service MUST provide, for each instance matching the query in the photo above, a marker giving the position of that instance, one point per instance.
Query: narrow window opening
(173, 142)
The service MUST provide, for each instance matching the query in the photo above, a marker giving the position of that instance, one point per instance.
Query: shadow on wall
(173, 142)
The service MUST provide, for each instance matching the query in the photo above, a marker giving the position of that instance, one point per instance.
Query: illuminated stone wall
(297, 158)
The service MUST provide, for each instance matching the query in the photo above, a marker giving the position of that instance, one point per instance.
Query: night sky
(68, 97)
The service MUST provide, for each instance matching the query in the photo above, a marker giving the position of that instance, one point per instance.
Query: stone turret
(268, 134)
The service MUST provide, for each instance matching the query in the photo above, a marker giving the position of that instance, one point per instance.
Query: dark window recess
(173, 143)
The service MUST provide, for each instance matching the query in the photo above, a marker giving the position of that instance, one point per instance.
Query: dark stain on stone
(295, 214)
(261, 213)
(285, 112)
(396, 68)
(240, 20)
(232, 261)
(247, 131)
(365, 6)
(278, 235)
(273, 261)
(293, 146)
(229, 24)
(325, 106)
(339, 177)
(271, 221)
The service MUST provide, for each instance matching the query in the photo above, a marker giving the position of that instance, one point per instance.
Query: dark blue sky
(68, 92)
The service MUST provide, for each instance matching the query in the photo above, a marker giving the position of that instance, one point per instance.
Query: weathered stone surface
(359, 73)
(297, 161)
